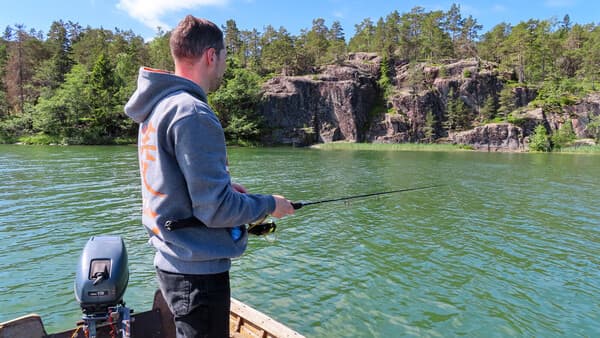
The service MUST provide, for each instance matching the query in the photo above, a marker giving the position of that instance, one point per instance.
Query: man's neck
(193, 73)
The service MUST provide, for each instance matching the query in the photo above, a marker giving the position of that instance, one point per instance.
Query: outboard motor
(100, 283)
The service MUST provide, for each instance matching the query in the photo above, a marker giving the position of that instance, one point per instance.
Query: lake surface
(508, 247)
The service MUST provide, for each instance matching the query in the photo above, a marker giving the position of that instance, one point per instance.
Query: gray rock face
(325, 107)
(492, 137)
(343, 102)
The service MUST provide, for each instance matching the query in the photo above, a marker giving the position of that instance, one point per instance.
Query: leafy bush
(443, 71)
(558, 93)
(40, 139)
(594, 128)
(516, 120)
(563, 136)
(538, 141)
(13, 127)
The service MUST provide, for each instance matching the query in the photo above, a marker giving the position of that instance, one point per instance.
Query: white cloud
(149, 12)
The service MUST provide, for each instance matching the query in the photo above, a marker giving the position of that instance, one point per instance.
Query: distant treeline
(69, 85)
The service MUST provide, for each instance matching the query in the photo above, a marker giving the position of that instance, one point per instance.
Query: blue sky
(143, 16)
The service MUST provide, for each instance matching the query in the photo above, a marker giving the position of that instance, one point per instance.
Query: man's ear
(210, 55)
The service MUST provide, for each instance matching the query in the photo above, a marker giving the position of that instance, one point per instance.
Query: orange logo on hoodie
(147, 153)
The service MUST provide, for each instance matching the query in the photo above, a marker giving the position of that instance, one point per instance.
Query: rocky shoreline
(343, 103)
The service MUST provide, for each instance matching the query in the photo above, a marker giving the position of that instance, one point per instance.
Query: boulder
(492, 137)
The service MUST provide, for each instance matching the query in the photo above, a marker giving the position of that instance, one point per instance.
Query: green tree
(159, 52)
(380, 37)
(392, 34)
(315, 41)
(235, 103)
(452, 118)
(62, 114)
(364, 33)
(435, 43)
(106, 116)
(59, 45)
(385, 77)
(91, 43)
(233, 40)
(251, 55)
(493, 44)
(429, 130)
(538, 141)
(572, 58)
(278, 52)
(457, 113)
(336, 52)
(518, 44)
(591, 57)
(489, 109)
(416, 78)
(506, 102)
(469, 34)
(453, 23)
(410, 34)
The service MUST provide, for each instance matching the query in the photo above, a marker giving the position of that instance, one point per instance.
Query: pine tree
(429, 128)
(490, 108)
(451, 121)
(506, 102)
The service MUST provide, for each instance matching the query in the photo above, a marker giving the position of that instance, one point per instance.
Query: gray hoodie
(183, 166)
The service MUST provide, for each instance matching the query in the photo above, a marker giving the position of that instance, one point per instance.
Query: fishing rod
(298, 205)
(264, 227)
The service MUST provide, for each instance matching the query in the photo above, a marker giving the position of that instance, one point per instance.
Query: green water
(509, 247)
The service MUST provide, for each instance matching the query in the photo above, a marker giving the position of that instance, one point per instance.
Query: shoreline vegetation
(345, 145)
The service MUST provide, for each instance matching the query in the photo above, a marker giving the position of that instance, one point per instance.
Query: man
(183, 165)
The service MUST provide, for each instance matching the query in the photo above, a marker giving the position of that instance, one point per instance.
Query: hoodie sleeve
(199, 147)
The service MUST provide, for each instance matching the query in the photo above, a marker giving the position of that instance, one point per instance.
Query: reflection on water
(507, 247)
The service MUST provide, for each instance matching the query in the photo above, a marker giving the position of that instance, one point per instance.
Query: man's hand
(283, 207)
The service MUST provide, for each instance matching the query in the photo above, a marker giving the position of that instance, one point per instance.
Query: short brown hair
(193, 36)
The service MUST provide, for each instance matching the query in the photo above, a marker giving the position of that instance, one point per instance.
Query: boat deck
(157, 323)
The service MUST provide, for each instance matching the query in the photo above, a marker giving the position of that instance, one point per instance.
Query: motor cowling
(102, 274)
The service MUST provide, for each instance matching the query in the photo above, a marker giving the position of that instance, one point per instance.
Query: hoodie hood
(152, 86)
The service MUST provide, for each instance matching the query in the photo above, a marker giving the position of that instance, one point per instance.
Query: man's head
(199, 52)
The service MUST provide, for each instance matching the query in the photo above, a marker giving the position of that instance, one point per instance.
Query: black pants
(199, 303)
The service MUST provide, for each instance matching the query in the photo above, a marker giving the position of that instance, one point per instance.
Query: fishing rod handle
(297, 205)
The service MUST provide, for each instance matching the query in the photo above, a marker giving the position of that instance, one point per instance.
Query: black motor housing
(102, 274)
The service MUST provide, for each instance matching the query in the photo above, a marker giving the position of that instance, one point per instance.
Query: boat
(100, 283)
(244, 322)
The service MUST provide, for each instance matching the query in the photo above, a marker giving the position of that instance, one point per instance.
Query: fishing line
(298, 205)
(266, 229)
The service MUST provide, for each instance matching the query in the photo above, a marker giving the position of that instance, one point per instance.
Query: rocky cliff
(345, 102)
(329, 106)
